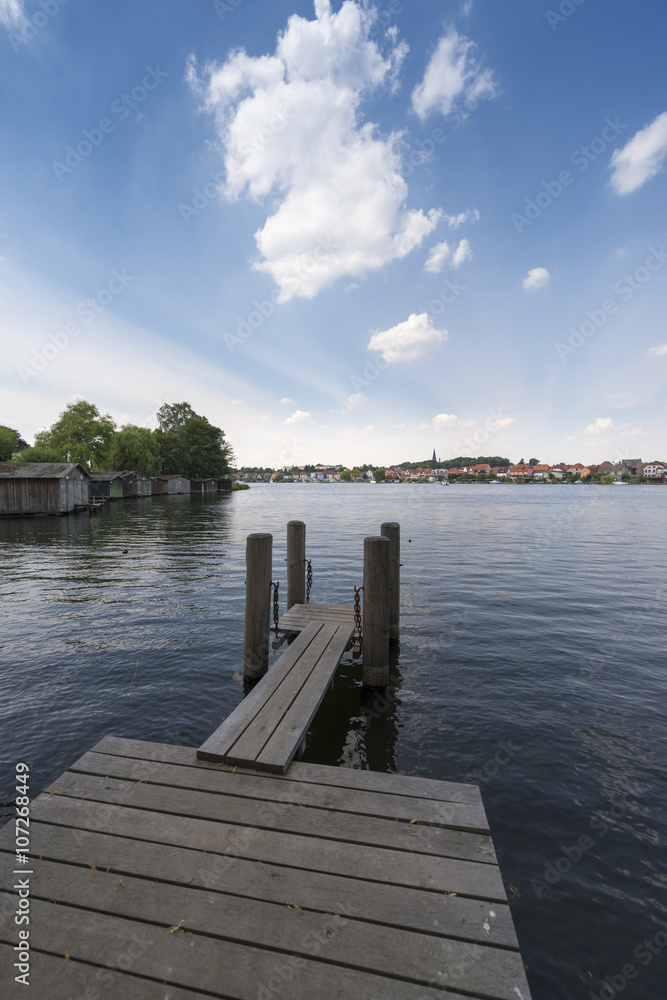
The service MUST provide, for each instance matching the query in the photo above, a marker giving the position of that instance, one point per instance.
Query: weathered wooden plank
(337, 938)
(306, 820)
(225, 736)
(270, 713)
(347, 777)
(435, 913)
(223, 968)
(57, 978)
(286, 736)
(221, 780)
(379, 864)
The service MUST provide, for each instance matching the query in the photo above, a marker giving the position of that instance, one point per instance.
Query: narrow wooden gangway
(158, 876)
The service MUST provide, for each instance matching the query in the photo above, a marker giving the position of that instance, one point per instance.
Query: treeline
(184, 443)
(456, 463)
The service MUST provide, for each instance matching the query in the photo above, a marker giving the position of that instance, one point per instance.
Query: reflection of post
(375, 671)
(296, 563)
(257, 605)
(392, 531)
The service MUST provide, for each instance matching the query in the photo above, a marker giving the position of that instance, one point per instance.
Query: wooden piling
(296, 563)
(392, 531)
(258, 605)
(377, 557)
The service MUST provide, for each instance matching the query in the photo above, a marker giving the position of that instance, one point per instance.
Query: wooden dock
(170, 873)
(161, 877)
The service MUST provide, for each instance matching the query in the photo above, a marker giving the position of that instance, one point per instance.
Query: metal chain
(276, 606)
(357, 615)
(309, 579)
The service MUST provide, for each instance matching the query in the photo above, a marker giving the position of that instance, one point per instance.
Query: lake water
(532, 661)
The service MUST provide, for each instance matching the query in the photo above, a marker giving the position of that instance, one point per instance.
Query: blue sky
(344, 233)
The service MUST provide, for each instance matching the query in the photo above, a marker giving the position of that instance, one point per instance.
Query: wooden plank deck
(158, 876)
(300, 615)
(266, 730)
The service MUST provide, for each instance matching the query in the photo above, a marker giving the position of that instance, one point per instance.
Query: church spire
(435, 461)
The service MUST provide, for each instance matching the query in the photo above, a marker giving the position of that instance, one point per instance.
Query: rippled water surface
(532, 661)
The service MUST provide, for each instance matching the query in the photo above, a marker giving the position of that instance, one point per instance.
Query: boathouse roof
(40, 470)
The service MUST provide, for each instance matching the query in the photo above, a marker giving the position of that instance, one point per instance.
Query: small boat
(619, 482)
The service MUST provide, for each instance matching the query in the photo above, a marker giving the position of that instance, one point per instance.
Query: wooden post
(377, 555)
(296, 563)
(392, 531)
(257, 605)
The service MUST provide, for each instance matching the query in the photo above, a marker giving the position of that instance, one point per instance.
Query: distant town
(467, 470)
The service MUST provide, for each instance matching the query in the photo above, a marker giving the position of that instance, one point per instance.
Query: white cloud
(12, 14)
(601, 425)
(286, 399)
(454, 221)
(452, 73)
(355, 400)
(462, 254)
(300, 417)
(633, 433)
(264, 418)
(238, 402)
(537, 277)
(656, 352)
(291, 128)
(499, 425)
(445, 420)
(368, 430)
(409, 340)
(437, 256)
(641, 158)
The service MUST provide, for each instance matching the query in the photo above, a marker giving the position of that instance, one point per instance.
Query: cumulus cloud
(299, 417)
(656, 352)
(291, 128)
(437, 257)
(409, 340)
(355, 400)
(500, 424)
(445, 420)
(641, 158)
(286, 399)
(12, 14)
(601, 425)
(454, 221)
(453, 74)
(536, 278)
(462, 254)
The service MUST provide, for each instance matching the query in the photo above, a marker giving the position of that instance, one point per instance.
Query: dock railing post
(392, 531)
(377, 555)
(257, 605)
(296, 563)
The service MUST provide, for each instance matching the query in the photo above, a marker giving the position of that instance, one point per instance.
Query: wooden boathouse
(236, 872)
(169, 483)
(135, 484)
(106, 485)
(203, 485)
(43, 488)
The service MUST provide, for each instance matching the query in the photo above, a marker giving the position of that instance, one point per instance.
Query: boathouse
(203, 485)
(170, 483)
(224, 486)
(106, 484)
(43, 487)
(135, 484)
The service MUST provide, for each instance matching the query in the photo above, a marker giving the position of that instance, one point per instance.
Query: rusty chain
(276, 606)
(309, 579)
(357, 615)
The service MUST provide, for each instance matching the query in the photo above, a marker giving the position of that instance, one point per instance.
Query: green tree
(40, 453)
(80, 432)
(134, 448)
(190, 445)
(355, 473)
(379, 475)
(10, 442)
(346, 476)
